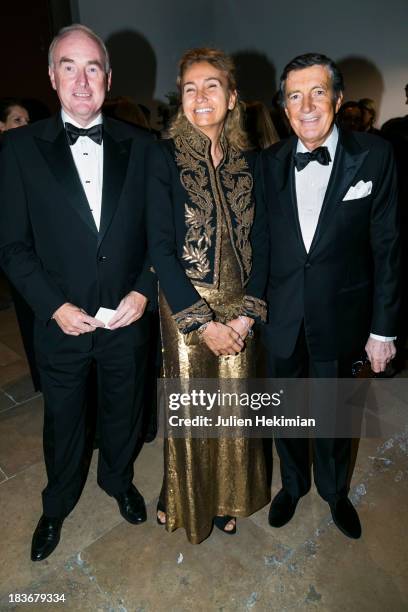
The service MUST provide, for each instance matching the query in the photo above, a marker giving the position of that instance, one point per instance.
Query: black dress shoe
(46, 537)
(282, 509)
(132, 506)
(345, 517)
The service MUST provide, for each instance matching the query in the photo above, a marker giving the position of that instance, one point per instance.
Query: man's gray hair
(78, 27)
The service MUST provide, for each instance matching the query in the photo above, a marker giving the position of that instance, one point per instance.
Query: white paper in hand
(105, 315)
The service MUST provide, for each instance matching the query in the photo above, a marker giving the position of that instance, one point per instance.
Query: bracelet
(248, 328)
(203, 327)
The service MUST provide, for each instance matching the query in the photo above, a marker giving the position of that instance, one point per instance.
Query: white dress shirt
(88, 159)
(311, 184)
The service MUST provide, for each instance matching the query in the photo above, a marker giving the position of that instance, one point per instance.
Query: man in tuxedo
(72, 240)
(333, 281)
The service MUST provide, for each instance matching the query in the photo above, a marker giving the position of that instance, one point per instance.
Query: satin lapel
(347, 162)
(115, 163)
(285, 180)
(55, 150)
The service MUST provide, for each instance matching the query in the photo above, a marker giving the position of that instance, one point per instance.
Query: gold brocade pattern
(213, 476)
(239, 183)
(254, 308)
(212, 194)
(199, 313)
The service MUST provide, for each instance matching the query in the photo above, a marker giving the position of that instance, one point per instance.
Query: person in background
(208, 245)
(368, 116)
(259, 126)
(279, 119)
(350, 116)
(13, 114)
(395, 130)
(126, 109)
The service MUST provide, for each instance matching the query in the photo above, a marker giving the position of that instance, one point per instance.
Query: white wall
(367, 37)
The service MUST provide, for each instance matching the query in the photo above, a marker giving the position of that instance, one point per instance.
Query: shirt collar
(67, 119)
(330, 143)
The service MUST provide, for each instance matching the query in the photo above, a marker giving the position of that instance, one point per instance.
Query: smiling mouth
(310, 120)
(82, 95)
(202, 111)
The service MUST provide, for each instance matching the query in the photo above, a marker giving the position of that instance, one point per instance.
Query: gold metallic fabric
(208, 477)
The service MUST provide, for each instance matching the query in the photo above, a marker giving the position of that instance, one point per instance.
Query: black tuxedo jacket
(49, 244)
(347, 285)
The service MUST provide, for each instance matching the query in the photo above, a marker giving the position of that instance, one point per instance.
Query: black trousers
(331, 456)
(64, 363)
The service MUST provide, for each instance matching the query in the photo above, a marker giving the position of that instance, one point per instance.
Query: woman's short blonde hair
(234, 124)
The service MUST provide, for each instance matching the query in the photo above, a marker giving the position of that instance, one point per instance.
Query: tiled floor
(104, 563)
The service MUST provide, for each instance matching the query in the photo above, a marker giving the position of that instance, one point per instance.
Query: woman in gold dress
(208, 246)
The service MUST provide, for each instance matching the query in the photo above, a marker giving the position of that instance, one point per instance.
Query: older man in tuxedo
(72, 240)
(333, 281)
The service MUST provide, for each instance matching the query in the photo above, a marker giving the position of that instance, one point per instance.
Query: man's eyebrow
(65, 60)
(317, 86)
(68, 60)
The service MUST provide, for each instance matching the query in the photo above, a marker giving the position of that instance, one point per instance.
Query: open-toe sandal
(222, 521)
(160, 508)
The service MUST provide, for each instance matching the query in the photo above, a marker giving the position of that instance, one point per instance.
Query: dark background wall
(147, 37)
(27, 28)
(367, 37)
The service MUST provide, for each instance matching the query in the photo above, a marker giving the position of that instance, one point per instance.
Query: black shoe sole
(132, 521)
(345, 532)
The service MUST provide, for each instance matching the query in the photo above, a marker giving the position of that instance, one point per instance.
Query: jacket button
(308, 265)
(102, 258)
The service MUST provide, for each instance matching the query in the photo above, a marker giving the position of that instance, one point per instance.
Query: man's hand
(74, 321)
(379, 353)
(222, 339)
(130, 309)
(242, 325)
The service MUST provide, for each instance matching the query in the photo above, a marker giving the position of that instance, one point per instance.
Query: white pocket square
(360, 190)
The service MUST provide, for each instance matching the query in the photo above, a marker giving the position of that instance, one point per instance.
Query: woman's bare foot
(227, 524)
(161, 517)
(161, 513)
(231, 525)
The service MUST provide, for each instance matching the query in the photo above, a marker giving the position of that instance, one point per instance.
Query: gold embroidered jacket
(185, 202)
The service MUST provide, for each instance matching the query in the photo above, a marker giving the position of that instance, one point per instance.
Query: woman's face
(17, 117)
(206, 98)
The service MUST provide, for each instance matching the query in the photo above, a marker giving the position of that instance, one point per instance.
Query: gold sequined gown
(208, 477)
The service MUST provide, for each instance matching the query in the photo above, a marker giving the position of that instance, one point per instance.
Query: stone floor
(104, 563)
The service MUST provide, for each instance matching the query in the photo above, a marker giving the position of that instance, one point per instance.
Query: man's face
(310, 105)
(78, 76)
(352, 119)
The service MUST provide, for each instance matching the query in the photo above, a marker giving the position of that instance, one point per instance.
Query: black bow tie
(95, 133)
(321, 155)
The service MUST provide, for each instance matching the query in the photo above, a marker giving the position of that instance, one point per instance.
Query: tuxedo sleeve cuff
(383, 338)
